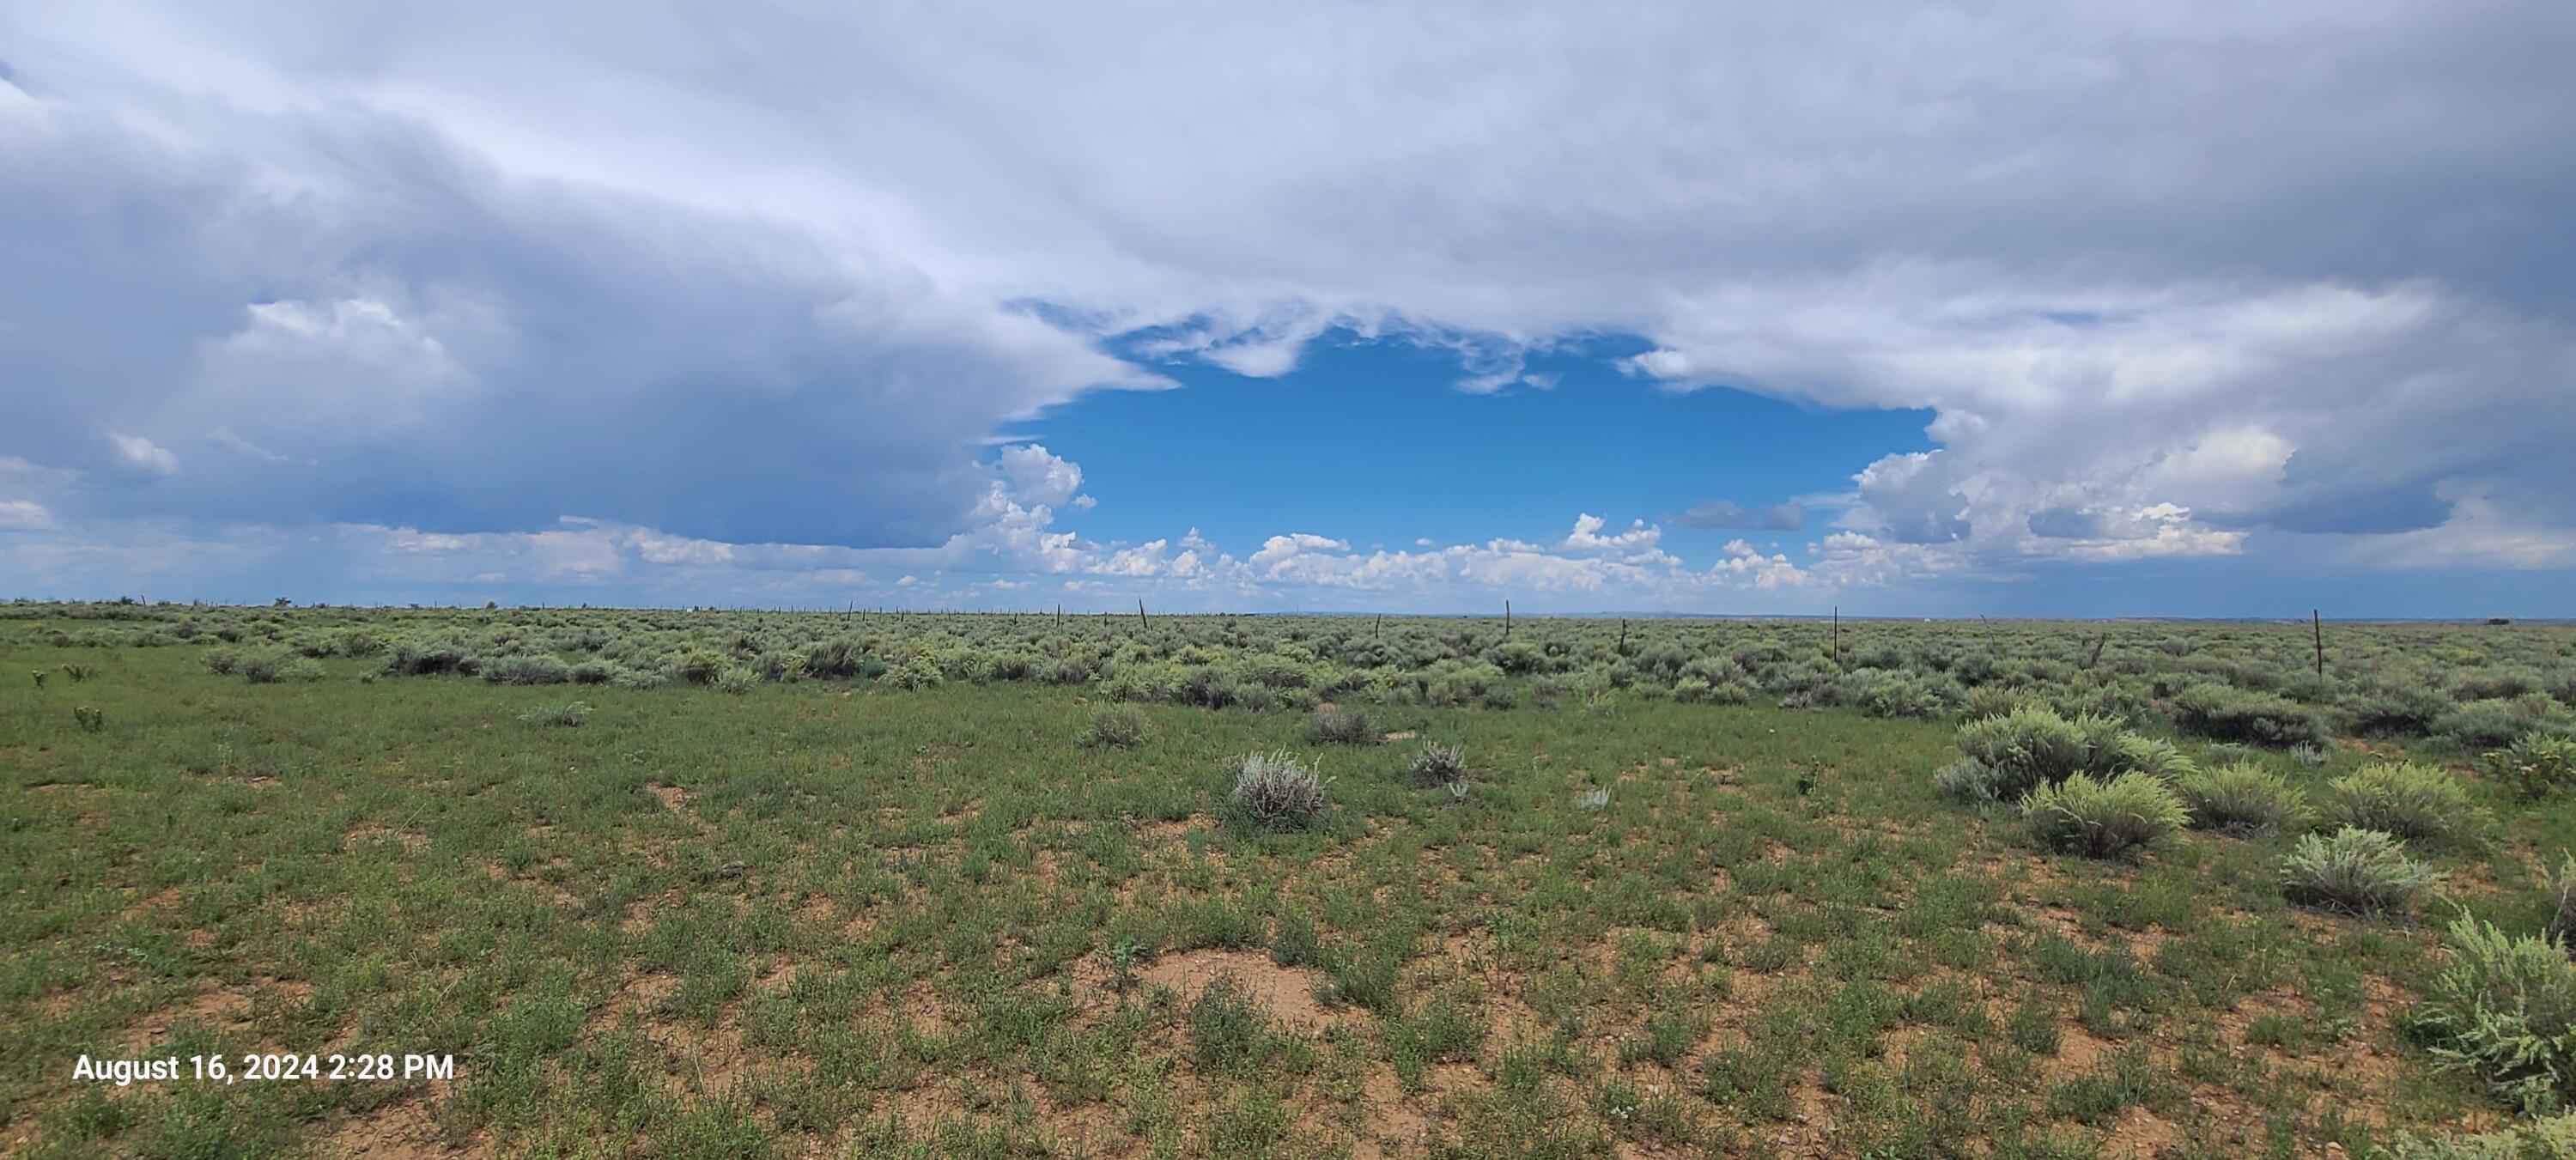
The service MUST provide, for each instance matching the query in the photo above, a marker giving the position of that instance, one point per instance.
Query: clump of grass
(564, 715)
(2562, 895)
(77, 673)
(737, 681)
(2355, 871)
(2100, 819)
(2536, 765)
(2243, 798)
(89, 719)
(1296, 944)
(2414, 802)
(1118, 726)
(1274, 789)
(1228, 1031)
(1439, 764)
(1335, 725)
(2505, 1011)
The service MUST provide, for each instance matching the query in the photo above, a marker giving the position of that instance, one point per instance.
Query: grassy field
(908, 903)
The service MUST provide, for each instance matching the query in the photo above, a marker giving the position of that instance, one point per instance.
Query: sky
(1906, 309)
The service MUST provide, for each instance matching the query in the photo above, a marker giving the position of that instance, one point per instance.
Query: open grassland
(736, 884)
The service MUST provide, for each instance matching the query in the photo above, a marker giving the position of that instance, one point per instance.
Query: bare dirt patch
(1287, 993)
(403, 1131)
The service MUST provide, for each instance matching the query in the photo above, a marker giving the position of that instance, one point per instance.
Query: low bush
(2553, 1138)
(2504, 1010)
(2153, 756)
(2536, 765)
(1438, 764)
(2412, 801)
(2243, 798)
(2023, 750)
(1117, 726)
(1274, 789)
(2100, 819)
(2395, 709)
(2355, 871)
(280, 667)
(527, 670)
(1336, 725)
(2225, 713)
(2494, 724)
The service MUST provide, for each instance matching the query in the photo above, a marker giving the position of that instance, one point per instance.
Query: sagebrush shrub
(1336, 725)
(2153, 756)
(2225, 713)
(2402, 798)
(2505, 1010)
(2536, 765)
(1118, 726)
(737, 681)
(2550, 1138)
(2491, 724)
(2243, 798)
(2100, 819)
(2025, 749)
(2356, 871)
(527, 670)
(1439, 764)
(1274, 789)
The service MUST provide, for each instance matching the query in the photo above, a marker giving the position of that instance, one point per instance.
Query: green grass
(850, 918)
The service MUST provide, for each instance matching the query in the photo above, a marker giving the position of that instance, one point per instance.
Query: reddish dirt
(1287, 993)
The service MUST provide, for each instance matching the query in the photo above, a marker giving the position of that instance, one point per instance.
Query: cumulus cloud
(2164, 296)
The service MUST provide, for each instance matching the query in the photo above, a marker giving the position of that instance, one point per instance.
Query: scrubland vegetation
(774, 884)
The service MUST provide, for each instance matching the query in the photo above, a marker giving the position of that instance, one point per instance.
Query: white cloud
(21, 515)
(2157, 300)
(141, 454)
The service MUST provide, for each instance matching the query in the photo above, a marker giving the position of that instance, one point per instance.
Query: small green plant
(2505, 1010)
(2411, 801)
(1296, 944)
(737, 681)
(77, 673)
(1118, 726)
(1228, 1032)
(2355, 871)
(1439, 764)
(1122, 957)
(39, 675)
(2243, 798)
(564, 715)
(1276, 790)
(1595, 800)
(2536, 765)
(1335, 725)
(2099, 819)
(90, 720)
